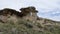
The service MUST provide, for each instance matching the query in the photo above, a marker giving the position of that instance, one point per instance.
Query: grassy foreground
(27, 27)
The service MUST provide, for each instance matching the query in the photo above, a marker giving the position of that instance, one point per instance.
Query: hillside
(27, 27)
(14, 22)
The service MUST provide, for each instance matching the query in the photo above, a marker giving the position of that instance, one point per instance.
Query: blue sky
(47, 8)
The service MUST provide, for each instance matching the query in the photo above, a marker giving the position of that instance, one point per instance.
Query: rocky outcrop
(28, 13)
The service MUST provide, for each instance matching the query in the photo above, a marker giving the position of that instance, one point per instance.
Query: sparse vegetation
(26, 27)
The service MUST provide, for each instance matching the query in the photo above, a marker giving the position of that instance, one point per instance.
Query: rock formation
(28, 13)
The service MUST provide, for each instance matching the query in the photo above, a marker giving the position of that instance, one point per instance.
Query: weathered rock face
(7, 13)
(26, 13)
(30, 12)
